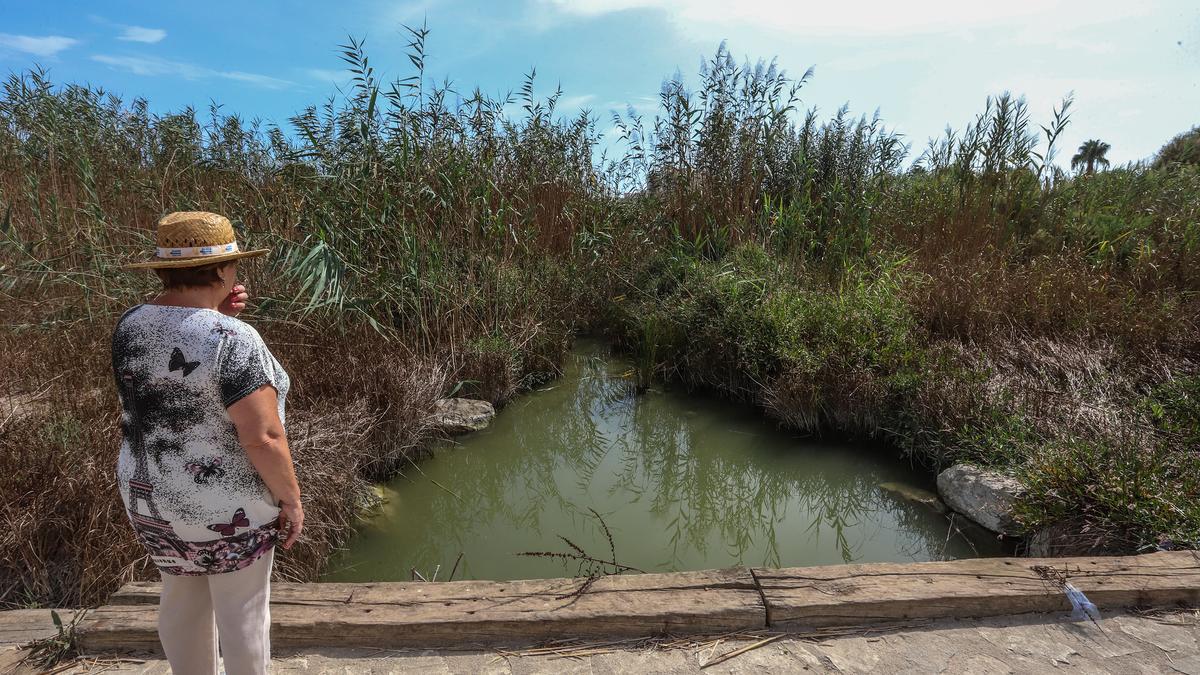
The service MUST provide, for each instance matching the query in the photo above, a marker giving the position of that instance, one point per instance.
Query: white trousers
(193, 611)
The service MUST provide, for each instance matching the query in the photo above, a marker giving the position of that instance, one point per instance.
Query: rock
(914, 494)
(384, 506)
(370, 501)
(986, 497)
(461, 415)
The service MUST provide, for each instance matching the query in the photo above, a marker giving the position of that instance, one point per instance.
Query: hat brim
(195, 262)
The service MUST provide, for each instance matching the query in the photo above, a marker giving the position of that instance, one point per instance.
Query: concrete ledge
(478, 613)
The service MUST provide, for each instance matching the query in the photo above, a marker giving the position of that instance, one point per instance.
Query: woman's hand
(291, 520)
(235, 302)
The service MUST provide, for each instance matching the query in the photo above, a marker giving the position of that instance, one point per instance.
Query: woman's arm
(260, 432)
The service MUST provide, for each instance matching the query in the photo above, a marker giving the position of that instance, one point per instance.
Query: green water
(683, 483)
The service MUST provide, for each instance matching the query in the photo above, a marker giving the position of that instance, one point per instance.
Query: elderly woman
(204, 468)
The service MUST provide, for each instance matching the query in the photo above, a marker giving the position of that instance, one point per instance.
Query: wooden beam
(466, 613)
(20, 626)
(479, 613)
(802, 598)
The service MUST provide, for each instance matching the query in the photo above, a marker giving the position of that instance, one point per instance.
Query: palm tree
(1090, 154)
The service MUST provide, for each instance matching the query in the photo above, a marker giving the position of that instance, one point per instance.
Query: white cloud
(1091, 93)
(47, 45)
(327, 75)
(153, 66)
(642, 105)
(264, 81)
(141, 34)
(869, 17)
(575, 102)
(139, 65)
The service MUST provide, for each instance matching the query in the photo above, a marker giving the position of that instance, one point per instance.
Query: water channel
(683, 482)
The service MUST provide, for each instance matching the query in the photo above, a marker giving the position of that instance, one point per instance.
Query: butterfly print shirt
(192, 495)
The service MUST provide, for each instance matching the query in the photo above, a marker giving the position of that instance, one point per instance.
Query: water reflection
(683, 482)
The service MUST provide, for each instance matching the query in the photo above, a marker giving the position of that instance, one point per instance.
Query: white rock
(461, 415)
(986, 497)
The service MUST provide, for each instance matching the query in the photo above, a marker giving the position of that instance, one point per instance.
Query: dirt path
(1122, 643)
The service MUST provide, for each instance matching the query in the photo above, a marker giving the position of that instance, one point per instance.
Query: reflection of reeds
(646, 354)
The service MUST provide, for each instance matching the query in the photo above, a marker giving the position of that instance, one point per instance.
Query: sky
(1134, 67)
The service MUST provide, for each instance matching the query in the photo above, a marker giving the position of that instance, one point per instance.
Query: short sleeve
(245, 365)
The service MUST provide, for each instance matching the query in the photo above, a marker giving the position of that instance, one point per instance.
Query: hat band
(197, 251)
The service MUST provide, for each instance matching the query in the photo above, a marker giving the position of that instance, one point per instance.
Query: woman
(204, 468)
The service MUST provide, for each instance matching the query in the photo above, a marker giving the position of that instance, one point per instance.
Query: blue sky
(1134, 66)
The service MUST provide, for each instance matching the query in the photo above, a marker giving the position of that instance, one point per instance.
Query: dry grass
(66, 538)
(981, 304)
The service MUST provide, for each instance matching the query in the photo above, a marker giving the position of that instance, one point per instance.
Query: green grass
(1117, 497)
(1105, 445)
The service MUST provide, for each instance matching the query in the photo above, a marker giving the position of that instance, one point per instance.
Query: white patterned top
(194, 498)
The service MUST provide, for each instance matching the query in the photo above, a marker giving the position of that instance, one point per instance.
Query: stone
(853, 655)
(986, 497)
(1168, 638)
(914, 494)
(456, 416)
(378, 500)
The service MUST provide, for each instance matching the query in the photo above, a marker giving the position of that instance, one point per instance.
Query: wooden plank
(21, 626)
(803, 598)
(468, 613)
(143, 593)
(479, 613)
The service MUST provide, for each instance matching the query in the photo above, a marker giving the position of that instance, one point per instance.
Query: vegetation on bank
(976, 305)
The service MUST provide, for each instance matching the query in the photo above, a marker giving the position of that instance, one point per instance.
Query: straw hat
(194, 238)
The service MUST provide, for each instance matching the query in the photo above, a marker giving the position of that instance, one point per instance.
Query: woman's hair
(191, 277)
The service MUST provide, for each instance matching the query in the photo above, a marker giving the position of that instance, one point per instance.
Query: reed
(976, 303)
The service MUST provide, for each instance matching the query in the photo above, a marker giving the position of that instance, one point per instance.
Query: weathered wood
(20, 626)
(467, 613)
(801, 598)
(478, 613)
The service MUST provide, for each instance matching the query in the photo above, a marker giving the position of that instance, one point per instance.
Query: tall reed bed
(975, 304)
(978, 305)
(418, 250)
